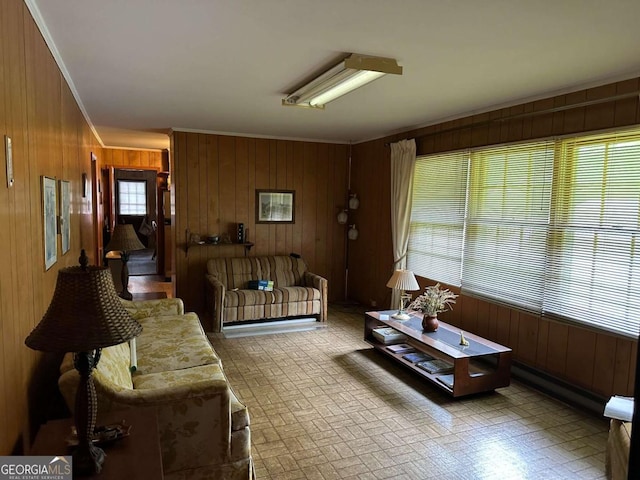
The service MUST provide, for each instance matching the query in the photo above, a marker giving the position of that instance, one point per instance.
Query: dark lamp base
(88, 460)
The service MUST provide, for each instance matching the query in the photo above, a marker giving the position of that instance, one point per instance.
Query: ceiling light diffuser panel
(353, 72)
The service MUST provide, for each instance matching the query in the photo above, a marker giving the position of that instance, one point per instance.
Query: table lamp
(85, 315)
(124, 239)
(403, 280)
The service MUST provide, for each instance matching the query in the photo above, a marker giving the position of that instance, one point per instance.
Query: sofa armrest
(153, 308)
(320, 283)
(214, 299)
(194, 417)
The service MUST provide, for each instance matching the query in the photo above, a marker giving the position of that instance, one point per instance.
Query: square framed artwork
(49, 221)
(275, 206)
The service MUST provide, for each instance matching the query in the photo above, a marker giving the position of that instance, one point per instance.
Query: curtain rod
(587, 103)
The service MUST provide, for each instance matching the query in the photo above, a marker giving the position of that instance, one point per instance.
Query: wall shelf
(189, 244)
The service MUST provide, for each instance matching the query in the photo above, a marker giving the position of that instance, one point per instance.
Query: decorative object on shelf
(463, 341)
(213, 239)
(403, 280)
(343, 217)
(353, 232)
(240, 233)
(124, 239)
(275, 206)
(354, 203)
(433, 301)
(85, 315)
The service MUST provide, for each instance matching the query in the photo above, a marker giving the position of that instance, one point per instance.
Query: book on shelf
(436, 366)
(417, 357)
(388, 335)
(401, 348)
(448, 380)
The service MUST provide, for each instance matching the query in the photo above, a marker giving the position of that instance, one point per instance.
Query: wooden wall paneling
(228, 222)
(557, 348)
(250, 224)
(298, 186)
(483, 319)
(181, 220)
(338, 184)
(193, 215)
(514, 330)
(273, 178)
(261, 233)
(503, 316)
(242, 183)
(480, 134)
(543, 344)
(323, 211)
(557, 121)
(621, 372)
(515, 126)
(5, 291)
(626, 110)
(309, 200)
(291, 183)
(581, 348)
(601, 115)
(605, 359)
(528, 338)
(203, 189)
(542, 125)
(469, 314)
(281, 184)
(495, 127)
(212, 213)
(574, 119)
(633, 365)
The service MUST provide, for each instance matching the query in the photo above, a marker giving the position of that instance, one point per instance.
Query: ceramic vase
(429, 323)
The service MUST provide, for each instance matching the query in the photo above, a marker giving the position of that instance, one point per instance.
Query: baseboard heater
(559, 389)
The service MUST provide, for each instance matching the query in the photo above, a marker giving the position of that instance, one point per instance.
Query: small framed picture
(275, 206)
(65, 216)
(49, 208)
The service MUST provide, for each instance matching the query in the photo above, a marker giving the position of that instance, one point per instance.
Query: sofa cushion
(113, 367)
(172, 342)
(192, 376)
(235, 272)
(284, 271)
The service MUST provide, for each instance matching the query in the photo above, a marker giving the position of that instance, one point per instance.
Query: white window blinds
(437, 217)
(593, 273)
(509, 197)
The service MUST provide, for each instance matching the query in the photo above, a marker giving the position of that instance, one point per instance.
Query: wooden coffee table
(481, 366)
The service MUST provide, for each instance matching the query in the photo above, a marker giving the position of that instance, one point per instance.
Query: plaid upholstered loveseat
(297, 292)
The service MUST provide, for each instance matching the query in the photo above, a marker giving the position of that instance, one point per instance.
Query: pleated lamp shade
(403, 280)
(85, 314)
(124, 239)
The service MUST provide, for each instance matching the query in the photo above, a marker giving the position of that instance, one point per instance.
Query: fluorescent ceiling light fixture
(351, 73)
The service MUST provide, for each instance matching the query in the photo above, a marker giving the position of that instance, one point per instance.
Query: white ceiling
(142, 67)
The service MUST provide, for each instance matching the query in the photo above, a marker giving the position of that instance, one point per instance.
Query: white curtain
(403, 159)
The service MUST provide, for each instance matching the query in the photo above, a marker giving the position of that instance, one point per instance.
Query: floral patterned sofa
(204, 428)
(296, 291)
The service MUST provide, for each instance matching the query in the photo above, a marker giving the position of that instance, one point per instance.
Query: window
(550, 226)
(506, 232)
(132, 197)
(437, 217)
(594, 255)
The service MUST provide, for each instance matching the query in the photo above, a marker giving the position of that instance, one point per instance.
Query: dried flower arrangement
(434, 300)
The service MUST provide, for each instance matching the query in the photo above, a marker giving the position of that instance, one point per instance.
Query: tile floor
(324, 406)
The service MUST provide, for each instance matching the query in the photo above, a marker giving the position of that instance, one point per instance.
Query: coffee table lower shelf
(471, 374)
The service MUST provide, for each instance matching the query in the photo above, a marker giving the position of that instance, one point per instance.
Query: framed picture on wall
(49, 219)
(65, 216)
(275, 206)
